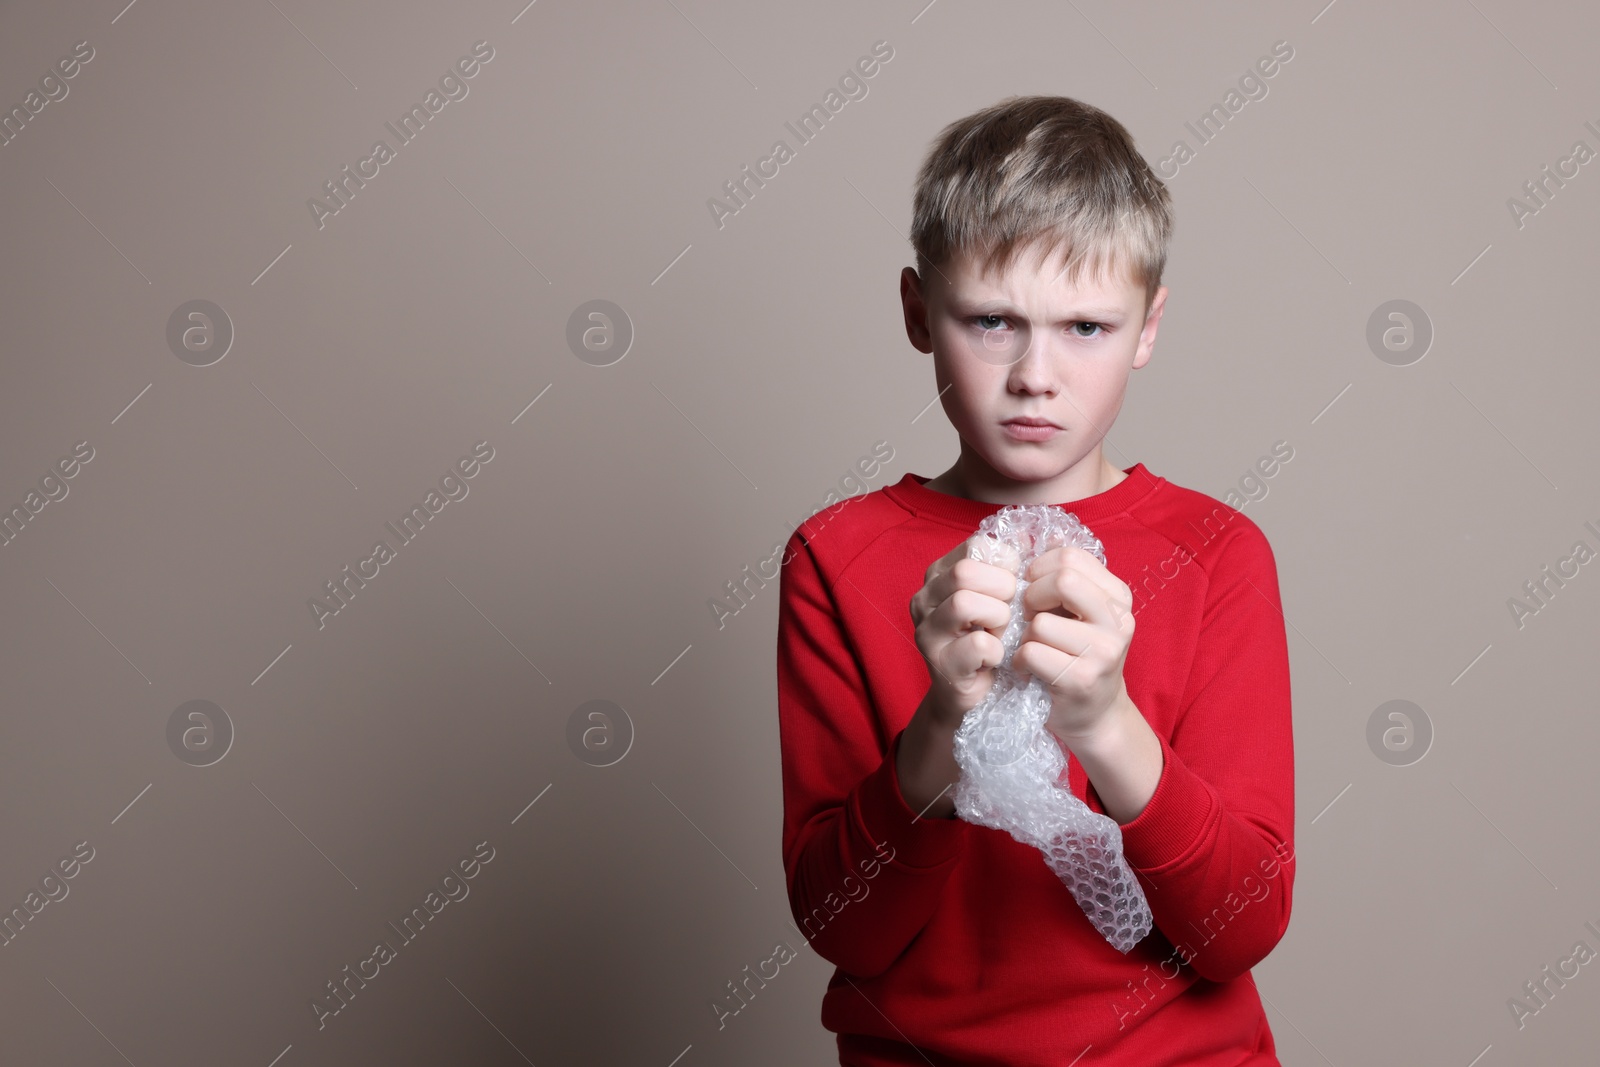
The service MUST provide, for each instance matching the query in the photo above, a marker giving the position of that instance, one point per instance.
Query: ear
(1147, 336)
(915, 305)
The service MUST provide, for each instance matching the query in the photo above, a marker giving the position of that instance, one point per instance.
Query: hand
(960, 613)
(1079, 626)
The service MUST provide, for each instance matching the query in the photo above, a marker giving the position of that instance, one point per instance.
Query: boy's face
(1026, 344)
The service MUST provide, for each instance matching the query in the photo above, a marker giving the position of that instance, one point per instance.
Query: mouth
(1030, 429)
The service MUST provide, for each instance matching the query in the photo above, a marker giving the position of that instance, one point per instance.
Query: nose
(1034, 370)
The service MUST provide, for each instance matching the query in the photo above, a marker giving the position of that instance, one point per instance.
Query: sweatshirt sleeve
(1213, 847)
(864, 873)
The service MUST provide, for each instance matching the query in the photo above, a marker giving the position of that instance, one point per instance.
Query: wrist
(1110, 733)
(925, 766)
(938, 710)
(1122, 759)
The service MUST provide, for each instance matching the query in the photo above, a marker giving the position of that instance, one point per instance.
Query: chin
(1035, 468)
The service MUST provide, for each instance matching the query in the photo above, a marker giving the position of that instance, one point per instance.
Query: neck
(973, 478)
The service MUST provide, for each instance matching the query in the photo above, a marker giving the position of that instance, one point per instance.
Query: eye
(1096, 325)
(980, 321)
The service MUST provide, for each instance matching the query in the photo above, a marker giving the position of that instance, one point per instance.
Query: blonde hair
(1049, 170)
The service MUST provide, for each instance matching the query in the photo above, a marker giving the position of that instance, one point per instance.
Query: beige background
(426, 716)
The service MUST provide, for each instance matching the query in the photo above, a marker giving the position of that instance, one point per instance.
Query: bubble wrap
(1012, 767)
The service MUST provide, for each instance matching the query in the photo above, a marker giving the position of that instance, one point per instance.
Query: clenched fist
(960, 613)
(1079, 626)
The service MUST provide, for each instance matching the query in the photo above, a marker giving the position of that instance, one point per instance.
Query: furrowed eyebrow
(1071, 315)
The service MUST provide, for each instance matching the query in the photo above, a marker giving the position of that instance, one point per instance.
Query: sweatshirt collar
(911, 493)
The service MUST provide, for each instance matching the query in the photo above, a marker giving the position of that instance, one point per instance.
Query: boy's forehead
(1030, 274)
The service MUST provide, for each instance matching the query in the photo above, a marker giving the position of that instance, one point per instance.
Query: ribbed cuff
(881, 814)
(1180, 814)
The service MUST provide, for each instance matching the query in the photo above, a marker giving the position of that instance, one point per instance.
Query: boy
(1041, 236)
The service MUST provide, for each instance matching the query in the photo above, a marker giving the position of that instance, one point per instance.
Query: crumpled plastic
(1012, 766)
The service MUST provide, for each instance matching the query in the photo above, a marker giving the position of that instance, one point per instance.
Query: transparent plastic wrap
(1012, 767)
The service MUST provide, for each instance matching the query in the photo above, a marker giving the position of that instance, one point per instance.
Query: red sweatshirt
(955, 943)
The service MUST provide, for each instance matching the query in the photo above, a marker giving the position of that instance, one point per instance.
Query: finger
(1054, 559)
(971, 653)
(954, 572)
(976, 575)
(1040, 660)
(1070, 592)
(1079, 583)
(942, 564)
(1076, 557)
(1046, 661)
(1071, 637)
(966, 610)
(1047, 565)
(999, 553)
(975, 547)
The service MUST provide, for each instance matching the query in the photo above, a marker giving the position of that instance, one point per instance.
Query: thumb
(988, 550)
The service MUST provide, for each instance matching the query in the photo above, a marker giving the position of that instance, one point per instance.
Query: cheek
(1108, 384)
(967, 376)
(947, 343)
(972, 394)
(1105, 389)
